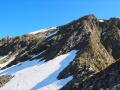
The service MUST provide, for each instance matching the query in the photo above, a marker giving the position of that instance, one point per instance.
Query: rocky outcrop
(5, 79)
(107, 79)
(92, 58)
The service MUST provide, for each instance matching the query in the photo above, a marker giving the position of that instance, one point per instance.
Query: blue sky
(18, 17)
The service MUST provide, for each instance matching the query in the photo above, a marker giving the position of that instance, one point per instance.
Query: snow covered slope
(38, 75)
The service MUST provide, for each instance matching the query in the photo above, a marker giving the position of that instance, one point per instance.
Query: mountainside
(81, 55)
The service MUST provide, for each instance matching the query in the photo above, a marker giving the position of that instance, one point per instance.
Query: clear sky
(18, 17)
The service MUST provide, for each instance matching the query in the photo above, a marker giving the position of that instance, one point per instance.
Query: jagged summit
(80, 50)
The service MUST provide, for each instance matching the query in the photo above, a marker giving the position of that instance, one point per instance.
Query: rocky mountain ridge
(98, 48)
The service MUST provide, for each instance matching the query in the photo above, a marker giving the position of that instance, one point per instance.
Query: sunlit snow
(38, 75)
(100, 20)
(8, 61)
(43, 30)
(2, 57)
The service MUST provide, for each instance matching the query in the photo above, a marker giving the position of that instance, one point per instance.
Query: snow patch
(103, 33)
(100, 20)
(51, 34)
(8, 61)
(38, 54)
(23, 53)
(35, 75)
(91, 69)
(2, 57)
(43, 30)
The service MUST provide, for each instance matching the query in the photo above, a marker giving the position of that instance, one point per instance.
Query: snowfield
(38, 75)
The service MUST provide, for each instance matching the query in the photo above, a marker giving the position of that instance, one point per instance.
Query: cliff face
(98, 51)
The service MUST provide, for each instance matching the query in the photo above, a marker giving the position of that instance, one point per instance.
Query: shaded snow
(42, 30)
(35, 75)
(55, 85)
(19, 67)
(108, 31)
